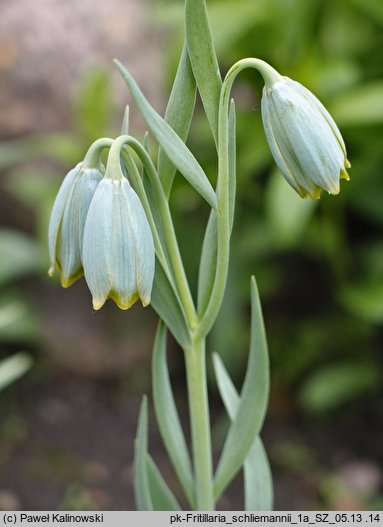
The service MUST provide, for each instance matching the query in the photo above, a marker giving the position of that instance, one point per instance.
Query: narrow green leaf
(361, 106)
(208, 263)
(171, 143)
(331, 386)
(165, 303)
(155, 208)
(167, 415)
(163, 498)
(252, 408)
(141, 480)
(364, 299)
(258, 479)
(208, 260)
(20, 255)
(10, 313)
(17, 323)
(257, 474)
(203, 59)
(178, 115)
(125, 122)
(13, 367)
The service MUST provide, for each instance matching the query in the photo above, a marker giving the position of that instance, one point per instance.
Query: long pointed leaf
(258, 479)
(257, 474)
(203, 59)
(208, 263)
(125, 122)
(165, 302)
(171, 143)
(167, 415)
(208, 260)
(252, 408)
(163, 498)
(178, 115)
(141, 480)
(13, 367)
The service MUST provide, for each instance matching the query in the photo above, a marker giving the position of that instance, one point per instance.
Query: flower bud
(304, 139)
(66, 227)
(118, 249)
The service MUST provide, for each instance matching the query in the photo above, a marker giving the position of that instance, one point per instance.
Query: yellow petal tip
(97, 304)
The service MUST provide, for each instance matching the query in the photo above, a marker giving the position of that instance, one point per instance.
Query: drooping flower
(66, 227)
(118, 249)
(303, 137)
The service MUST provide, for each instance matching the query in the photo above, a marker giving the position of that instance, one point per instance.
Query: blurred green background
(67, 425)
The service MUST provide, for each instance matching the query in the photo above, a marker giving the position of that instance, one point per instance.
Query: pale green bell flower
(118, 249)
(304, 139)
(66, 227)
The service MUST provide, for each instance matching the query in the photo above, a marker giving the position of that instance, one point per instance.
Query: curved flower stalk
(118, 248)
(66, 227)
(303, 137)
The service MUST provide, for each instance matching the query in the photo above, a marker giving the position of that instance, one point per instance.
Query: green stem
(92, 158)
(223, 217)
(172, 244)
(195, 361)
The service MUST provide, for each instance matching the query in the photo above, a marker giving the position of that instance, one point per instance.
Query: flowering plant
(114, 225)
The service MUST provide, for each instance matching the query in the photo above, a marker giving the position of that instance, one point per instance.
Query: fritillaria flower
(118, 248)
(304, 139)
(66, 227)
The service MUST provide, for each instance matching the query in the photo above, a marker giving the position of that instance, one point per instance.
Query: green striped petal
(303, 138)
(118, 249)
(67, 223)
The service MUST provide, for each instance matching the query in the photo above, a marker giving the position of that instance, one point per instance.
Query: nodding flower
(303, 137)
(118, 248)
(66, 227)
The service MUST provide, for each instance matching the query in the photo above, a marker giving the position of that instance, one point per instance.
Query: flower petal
(96, 256)
(124, 287)
(143, 243)
(277, 144)
(304, 139)
(71, 232)
(57, 214)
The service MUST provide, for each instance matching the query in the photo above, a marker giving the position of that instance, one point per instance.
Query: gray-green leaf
(257, 474)
(171, 143)
(13, 367)
(167, 415)
(203, 59)
(141, 480)
(165, 302)
(208, 260)
(20, 255)
(163, 498)
(178, 115)
(252, 408)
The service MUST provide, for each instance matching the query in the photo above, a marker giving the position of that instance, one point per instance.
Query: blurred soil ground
(67, 428)
(45, 45)
(67, 444)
